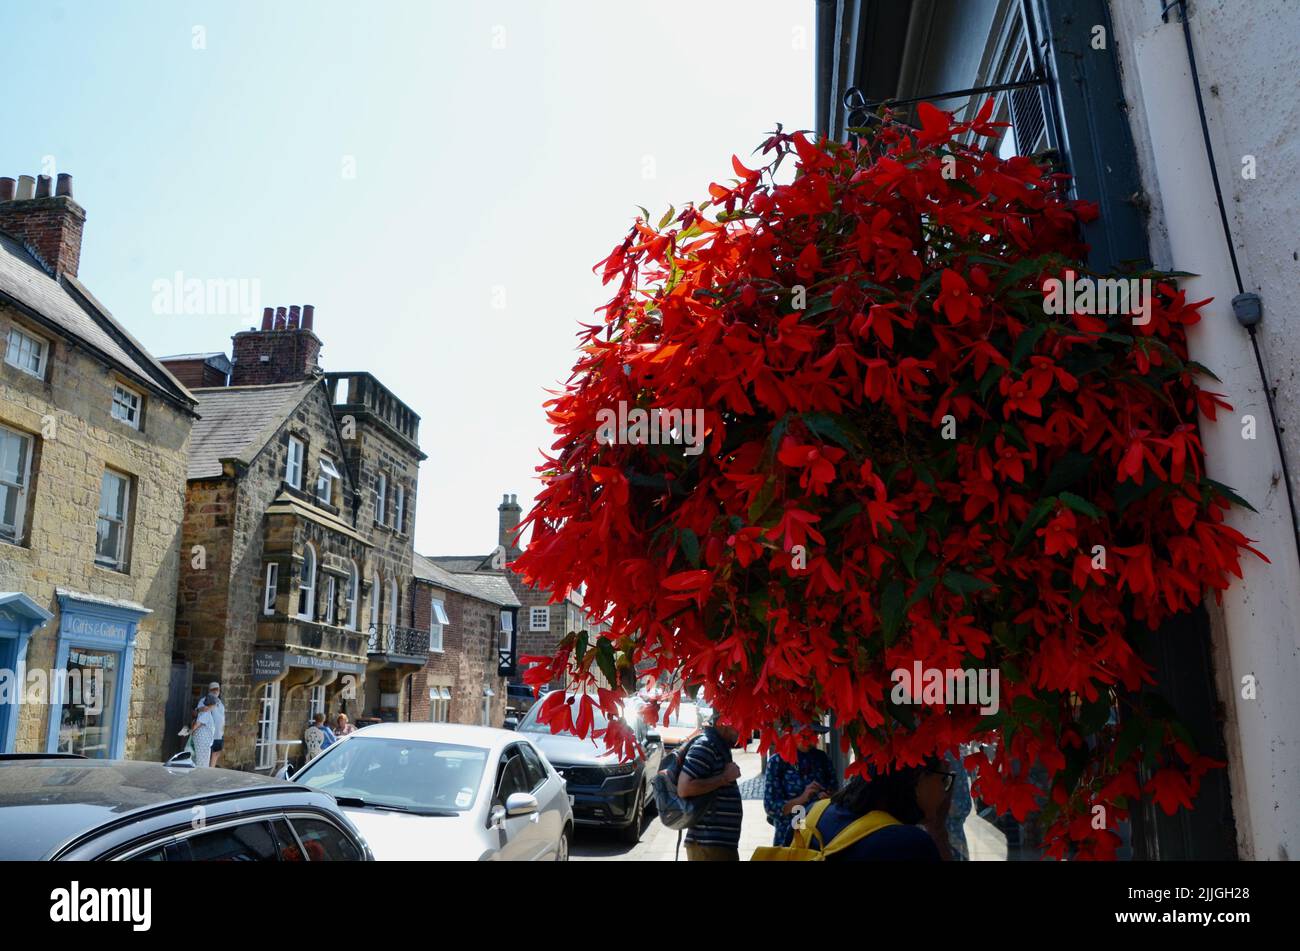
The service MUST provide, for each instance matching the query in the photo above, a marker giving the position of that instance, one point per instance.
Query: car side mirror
(653, 739)
(521, 804)
(511, 723)
(183, 758)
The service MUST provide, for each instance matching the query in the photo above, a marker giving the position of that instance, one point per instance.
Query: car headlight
(620, 769)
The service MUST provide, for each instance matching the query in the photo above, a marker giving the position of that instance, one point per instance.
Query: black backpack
(674, 811)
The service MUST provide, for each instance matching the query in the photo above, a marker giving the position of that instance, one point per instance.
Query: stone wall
(75, 438)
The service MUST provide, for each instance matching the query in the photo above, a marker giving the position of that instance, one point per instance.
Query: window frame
(353, 595)
(23, 488)
(381, 499)
(11, 351)
(270, 587)
(438, 621)
(120, 562)
(307, 585)
(331, 604)
(136, 409)
(263, 748)
(533, 626)
(328, 477)
(399, 507)
(294, 465)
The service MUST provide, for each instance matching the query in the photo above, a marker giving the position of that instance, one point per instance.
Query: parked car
(446, 791)
(604, 791)
(68, 808)
(519, 698)
(683, 724)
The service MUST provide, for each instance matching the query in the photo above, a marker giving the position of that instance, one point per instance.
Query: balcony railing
(399, 641)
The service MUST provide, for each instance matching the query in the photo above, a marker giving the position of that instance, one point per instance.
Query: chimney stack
(508, 513)
(284, 350)
(49, 224)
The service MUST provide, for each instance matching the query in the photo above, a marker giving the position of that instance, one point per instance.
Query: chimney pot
(64, 186)
(293, 317)
(7, 187)
(26, 187)
(308, 316)
(279, 318)
(44, 186)
(268, 316)
(52, 229)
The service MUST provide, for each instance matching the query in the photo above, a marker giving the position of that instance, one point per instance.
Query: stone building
(301, 497)
(543, 618)
(94, 434)
(471, 619)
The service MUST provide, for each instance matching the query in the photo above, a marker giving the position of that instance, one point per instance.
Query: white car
(442, 791)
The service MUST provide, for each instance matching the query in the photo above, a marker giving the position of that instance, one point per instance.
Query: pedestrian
(317, 737)
(790, 788)
(342, 727)
(913, 799)
(213, 700)
(202, 733)
(708, 769)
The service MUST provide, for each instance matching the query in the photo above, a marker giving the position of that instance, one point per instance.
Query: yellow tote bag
(801, 848)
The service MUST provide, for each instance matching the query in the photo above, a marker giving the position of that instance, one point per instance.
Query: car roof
(456, 733)
(45, 802)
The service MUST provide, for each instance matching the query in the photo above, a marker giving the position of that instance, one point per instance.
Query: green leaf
(690, 546)
(605, 660)
(843, 515)
(1128, 491)
(1025, 343)
(1035, 516)
(831, 427)
(963, 584)
(1080, 505)
(1237, 499)
(1069, 469)
(891, 610)
(668, 216)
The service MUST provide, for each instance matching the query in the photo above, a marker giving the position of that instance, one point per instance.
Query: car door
(551, 800)
(518, 837)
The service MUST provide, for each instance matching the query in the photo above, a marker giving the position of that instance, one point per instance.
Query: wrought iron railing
(402, 641)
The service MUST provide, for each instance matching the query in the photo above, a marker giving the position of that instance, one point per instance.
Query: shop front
(19, 616)
(94, 659)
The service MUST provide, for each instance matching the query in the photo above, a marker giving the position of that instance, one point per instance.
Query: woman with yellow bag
(896, 816)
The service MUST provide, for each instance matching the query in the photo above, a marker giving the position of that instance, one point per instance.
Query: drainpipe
(1255, 631)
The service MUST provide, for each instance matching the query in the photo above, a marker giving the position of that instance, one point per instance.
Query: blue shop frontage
(86, 692)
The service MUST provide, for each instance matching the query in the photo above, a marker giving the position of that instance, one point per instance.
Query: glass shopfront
(87, 721)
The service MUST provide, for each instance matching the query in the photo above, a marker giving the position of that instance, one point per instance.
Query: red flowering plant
(906, 460)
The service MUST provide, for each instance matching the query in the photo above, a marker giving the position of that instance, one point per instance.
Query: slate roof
(496, 590)
(238, 421)
(460, 563)
(71, 309)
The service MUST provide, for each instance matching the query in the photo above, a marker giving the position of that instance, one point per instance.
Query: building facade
(1163, 115)
(301, 504)
(94, 436)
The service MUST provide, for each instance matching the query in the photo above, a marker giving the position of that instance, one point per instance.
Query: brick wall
(52, 226)
(291, 355)
(468, 660)
(75, 438)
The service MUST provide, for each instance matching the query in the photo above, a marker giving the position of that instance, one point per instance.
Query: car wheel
(632, 834)
(562, 849)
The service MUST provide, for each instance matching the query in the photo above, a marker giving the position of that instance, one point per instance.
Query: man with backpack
(707, 770)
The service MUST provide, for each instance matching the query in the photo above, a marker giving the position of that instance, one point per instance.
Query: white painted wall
(1248, 60)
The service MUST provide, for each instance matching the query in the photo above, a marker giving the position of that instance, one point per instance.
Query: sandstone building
(94, 434)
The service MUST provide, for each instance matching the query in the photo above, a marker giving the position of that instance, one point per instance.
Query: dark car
(603, 791)
(70, 808)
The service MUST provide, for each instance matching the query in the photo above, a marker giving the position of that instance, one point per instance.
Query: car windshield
(686, 715)
(532, 725)
(395, 773)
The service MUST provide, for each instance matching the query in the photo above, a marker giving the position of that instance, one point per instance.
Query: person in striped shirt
(709, 770)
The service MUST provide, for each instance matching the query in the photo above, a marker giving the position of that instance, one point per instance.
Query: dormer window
(293, 463)
(27, 352)
(329, 474)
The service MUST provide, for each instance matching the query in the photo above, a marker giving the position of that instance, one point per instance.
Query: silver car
(443, 791)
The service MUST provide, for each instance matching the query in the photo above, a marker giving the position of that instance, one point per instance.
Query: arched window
(307, 585)
(352, 595)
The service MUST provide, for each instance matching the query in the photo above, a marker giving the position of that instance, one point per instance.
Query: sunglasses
(948, 778)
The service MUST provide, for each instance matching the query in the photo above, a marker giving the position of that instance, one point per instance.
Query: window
(353, 593)
(15, 473)
(329, 474)
(114, 512)
(437, 619)
(317, 702)
(439, 704)
(381, 500)
(533, 763)
(331, 605)
(391, 620)
(246, 842)
(399, 508)
(539, 619)
(27, 352)
(376, 593)
(271, 586)
(512, 777)
(267, 723)
(324, 842)
(293, 464)
(126, 405)
(307, 586)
